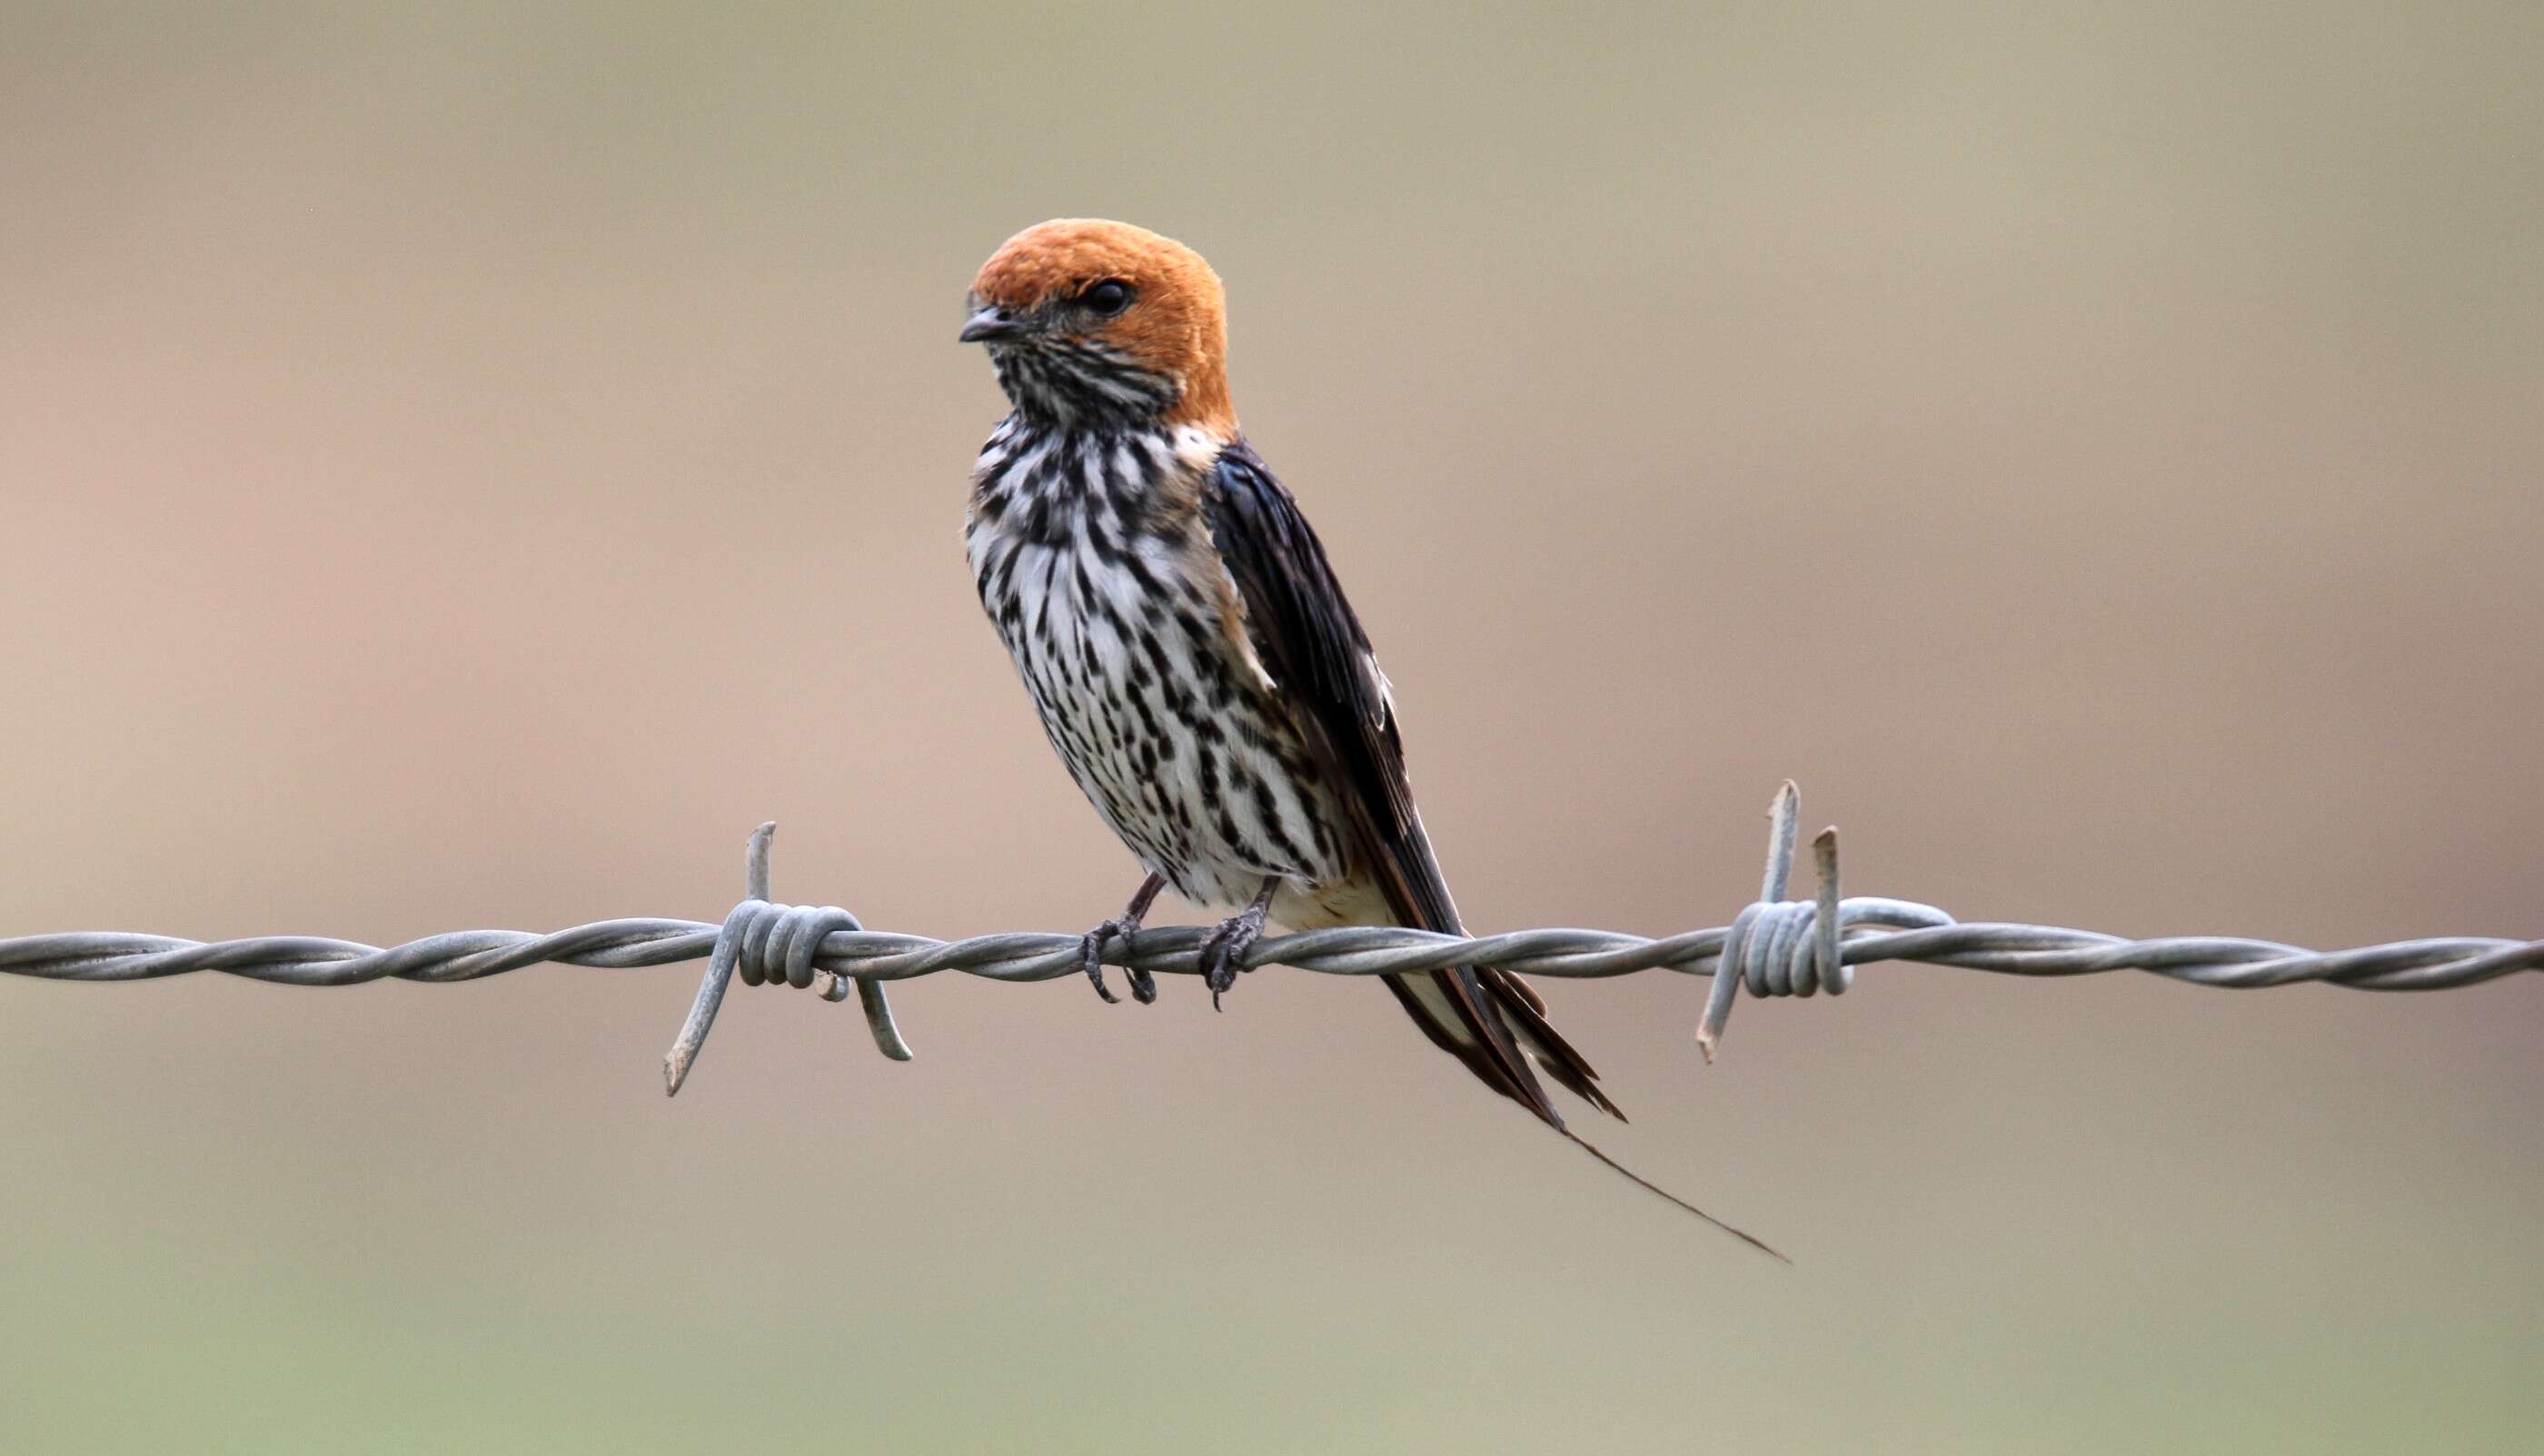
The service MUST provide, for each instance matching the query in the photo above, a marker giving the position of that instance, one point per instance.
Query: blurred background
(467, 467)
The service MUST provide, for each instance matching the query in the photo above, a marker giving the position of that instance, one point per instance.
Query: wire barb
(774, 944)
(1779, 947)
(1775, 948)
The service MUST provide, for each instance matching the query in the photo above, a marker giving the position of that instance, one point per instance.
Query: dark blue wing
(1311, 642)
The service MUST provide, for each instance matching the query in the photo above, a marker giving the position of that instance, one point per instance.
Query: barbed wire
(1774, 946)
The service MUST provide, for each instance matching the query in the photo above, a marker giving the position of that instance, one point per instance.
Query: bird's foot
(1091, 956)
(1090, 945)
(1224, 954)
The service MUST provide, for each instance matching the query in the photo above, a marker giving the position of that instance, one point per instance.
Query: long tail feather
(1646, 1183)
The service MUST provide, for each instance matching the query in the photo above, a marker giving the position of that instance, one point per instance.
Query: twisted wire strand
(2234, 962)
(1775, 948)
(2227, 961)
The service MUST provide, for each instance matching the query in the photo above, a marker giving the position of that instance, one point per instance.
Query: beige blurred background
(466, 468)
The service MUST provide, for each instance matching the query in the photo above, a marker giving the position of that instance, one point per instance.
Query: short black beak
(989, 326)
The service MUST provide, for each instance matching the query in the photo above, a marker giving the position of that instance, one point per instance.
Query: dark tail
(1463, 1012)
(1469, 1013)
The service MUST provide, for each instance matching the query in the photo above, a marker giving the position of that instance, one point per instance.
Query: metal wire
(1775, 948)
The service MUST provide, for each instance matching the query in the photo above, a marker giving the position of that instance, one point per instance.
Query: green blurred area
(466, 467)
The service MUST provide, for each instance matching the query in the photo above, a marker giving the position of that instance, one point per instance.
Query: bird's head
(1102, 323)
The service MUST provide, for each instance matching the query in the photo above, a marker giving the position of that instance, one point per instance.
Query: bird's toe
(1090, 959)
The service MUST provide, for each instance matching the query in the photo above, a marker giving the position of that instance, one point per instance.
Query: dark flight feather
(1311, 642)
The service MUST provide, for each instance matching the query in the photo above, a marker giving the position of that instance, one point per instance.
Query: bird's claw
(1224, 954)
(1090, 959)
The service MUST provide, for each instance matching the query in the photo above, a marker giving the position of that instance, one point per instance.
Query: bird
(1190, 652)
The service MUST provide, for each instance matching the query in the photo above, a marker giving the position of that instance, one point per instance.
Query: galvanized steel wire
(1775, 948)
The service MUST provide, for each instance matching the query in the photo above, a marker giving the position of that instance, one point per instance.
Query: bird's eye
(1108, 297)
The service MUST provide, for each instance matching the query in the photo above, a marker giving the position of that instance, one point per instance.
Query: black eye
(1108, 297)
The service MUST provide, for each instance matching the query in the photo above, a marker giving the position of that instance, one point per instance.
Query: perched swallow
(1189, 651)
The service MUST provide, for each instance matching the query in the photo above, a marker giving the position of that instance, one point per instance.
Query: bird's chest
(1125, 647)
